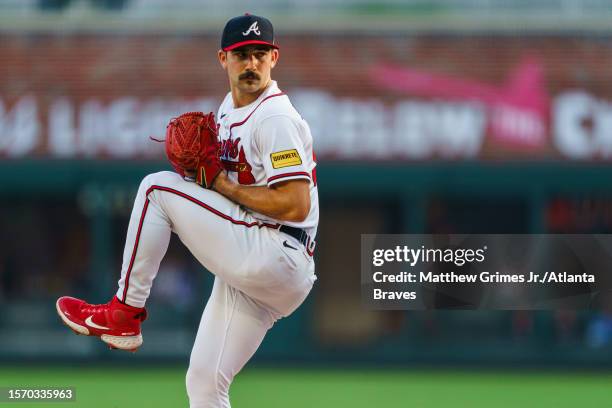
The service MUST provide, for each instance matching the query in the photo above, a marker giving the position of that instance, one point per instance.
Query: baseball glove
(192, 146)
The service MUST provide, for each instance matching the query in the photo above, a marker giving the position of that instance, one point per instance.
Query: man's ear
(275, 56)
(222, 55)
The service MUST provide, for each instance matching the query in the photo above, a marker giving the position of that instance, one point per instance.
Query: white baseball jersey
(267, 142)
(261, 273)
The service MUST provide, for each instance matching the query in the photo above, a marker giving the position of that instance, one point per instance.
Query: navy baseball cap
(245, 30)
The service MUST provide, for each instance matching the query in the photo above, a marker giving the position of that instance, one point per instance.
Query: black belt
(300, 235)
(296, 233)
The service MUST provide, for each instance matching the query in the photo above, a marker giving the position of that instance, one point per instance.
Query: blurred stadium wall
(428, 116)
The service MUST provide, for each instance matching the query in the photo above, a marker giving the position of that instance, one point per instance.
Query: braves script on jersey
(267, 142)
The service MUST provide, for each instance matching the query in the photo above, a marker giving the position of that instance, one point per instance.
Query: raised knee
(207, 387)
(161, 178)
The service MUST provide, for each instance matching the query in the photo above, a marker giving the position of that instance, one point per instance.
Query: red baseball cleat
(116, 323)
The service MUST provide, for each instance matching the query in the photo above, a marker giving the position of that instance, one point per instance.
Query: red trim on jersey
(233, 125)
(297, 173)
(212, 210)
(195, 201)
(310, 246)
(129, 270)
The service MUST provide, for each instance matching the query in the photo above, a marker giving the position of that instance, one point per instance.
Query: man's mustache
(249, 75)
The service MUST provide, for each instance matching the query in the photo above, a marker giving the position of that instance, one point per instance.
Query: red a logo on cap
(254, 28)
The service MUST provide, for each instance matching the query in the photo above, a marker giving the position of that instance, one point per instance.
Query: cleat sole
(128, 343)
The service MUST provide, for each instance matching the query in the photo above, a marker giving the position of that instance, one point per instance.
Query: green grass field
(275, 388)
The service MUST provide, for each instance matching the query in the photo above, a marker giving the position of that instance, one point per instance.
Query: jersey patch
(285, 158)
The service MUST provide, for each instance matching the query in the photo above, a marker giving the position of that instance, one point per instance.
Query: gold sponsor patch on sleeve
(285, 158)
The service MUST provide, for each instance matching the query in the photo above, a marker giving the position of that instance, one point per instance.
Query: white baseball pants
(257, 279)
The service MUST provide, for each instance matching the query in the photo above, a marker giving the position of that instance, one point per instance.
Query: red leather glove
(192, 145)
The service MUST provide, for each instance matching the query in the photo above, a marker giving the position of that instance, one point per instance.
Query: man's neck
(241, 99)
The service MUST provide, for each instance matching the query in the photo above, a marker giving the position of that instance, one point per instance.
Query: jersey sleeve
(282, 150)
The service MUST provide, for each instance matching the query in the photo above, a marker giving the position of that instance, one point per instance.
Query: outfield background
(432, 116)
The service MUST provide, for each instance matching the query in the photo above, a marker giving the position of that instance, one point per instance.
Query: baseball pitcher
(243, 199)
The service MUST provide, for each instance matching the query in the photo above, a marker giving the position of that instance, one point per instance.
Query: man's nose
(251, 62)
